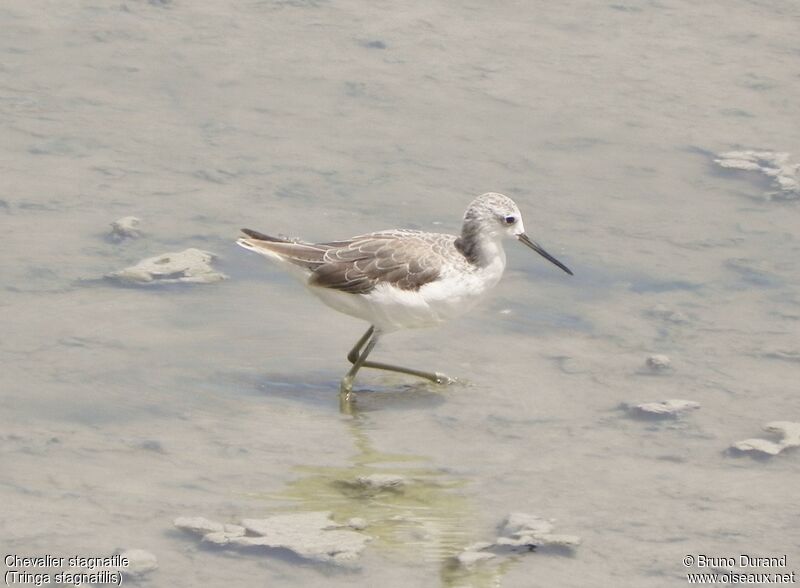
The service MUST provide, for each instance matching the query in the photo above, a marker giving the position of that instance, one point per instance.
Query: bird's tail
(262, 237)
(307, 256)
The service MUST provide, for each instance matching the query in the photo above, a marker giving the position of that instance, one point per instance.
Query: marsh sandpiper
(401, 279)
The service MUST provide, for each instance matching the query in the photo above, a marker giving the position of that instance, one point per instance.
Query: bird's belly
(432, 304)
(390, 308)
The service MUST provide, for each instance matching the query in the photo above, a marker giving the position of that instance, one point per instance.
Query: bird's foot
(443, 379)
(347, 403)
(346, 387)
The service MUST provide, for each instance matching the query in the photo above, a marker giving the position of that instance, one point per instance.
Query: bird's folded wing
(401, 259)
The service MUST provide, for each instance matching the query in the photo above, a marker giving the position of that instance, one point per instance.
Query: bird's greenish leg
(356, 350)
(371, 337)
(357, 357)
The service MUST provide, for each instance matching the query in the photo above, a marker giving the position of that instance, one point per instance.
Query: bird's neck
(481, 248)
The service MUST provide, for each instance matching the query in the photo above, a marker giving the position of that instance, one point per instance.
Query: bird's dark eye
(510, 220)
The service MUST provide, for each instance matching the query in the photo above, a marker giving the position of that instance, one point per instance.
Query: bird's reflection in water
(411, 509)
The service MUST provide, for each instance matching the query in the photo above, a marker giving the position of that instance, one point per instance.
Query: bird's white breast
(457, 292)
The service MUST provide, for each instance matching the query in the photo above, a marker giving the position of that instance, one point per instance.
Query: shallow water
(125, 407)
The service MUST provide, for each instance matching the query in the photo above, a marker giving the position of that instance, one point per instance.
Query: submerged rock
(199, 525)
(225, 536)
(382, 481)
(357, 523)
(666, 408)
(525, 530)
(188, 266)
(125, 228)
(785, 176)
(311, 535)
(658, 363)
(519, 532)
(140, 562)
(789, 437)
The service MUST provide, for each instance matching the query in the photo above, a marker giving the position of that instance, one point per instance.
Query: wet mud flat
(604, 428)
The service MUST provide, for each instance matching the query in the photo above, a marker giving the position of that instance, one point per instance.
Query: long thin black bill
(523, 238)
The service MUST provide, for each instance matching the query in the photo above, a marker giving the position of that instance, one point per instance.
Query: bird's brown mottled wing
(405, 259)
